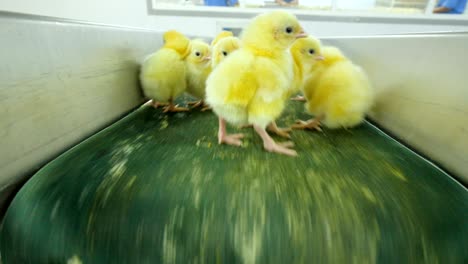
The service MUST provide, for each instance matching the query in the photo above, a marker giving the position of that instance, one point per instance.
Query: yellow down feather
(198, 64)
(163, 73)
(338, 90)
(249, 86)
(305, 53)
(222, 48)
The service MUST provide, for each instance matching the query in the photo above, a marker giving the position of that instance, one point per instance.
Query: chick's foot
(157, 104)
(312, 124)
(196, 104)
(233, 139)
(286, 144)
(299, 98)
(171, 108)
(282, 132)
(224, 138)
(271, 146)
(277, 148)
(205, 107)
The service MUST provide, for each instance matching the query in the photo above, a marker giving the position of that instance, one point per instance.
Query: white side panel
(422, 85)
(61, 82)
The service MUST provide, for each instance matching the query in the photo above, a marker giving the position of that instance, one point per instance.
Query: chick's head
(200, 53)
(177, 41)
(275, 30)
(307, 51)
(221, 35)
(223, 48)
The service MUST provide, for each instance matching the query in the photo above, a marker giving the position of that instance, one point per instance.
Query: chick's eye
(289, 30)
(224, 53)
(311, 51)
(197, 54)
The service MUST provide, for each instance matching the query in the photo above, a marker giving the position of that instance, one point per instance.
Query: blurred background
(388, 6)
(343, 17)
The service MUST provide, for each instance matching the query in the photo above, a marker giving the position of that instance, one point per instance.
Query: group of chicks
(248, 81)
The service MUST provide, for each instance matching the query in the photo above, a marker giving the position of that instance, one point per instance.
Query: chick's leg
(174, 108)
(272, 127)
(201, 103)
(223, 137)
(309, 124)
(299, 98)
(196, 104)
(282, 132)
(205, 107)
(270, 145)
(157, 104)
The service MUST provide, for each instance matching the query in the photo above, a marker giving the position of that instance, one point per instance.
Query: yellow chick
(221, 35)
(198, 65)
(163, 73)
(222, 47)
(305, 52)
(338, 92)
(249, 86)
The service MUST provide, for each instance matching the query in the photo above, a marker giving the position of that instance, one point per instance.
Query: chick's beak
(320, 58)
(301, 34)
(207, 58)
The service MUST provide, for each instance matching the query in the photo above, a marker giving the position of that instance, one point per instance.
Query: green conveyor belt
(154, 188)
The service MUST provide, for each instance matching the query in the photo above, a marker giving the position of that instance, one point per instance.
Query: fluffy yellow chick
(222, 48)
(305, 52)
(198, 65)
(221, 35)
(338, 92)
(249, 86)
(163, 73)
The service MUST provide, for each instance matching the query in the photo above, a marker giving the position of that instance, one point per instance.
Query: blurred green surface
(157, 188)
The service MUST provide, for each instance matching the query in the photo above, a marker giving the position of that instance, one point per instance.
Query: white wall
(134, 13)
(119, 12)
(421, 92)
(331, 28)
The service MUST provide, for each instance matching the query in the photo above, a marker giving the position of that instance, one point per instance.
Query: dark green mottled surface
(158, 189)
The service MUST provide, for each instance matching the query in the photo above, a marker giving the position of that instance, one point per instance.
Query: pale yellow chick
(198, 65)
(305, 52)
(338, 92)
(222, 48)
(221, 35)
(163, 73)
(249, 86)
